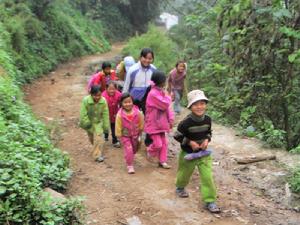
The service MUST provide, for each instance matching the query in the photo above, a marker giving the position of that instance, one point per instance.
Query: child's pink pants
(159, 147)
(130, 145)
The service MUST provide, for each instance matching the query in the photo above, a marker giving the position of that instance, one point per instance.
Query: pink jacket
(130, 128)
(159, 115)
(113, 104)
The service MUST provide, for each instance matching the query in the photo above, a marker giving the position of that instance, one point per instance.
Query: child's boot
(117, 144)
(197, 155)
(164, 165)
(100, 159)
(212, 207)
(130, 169)
(181, 192)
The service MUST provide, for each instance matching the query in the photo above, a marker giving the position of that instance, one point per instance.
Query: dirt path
(253, 194)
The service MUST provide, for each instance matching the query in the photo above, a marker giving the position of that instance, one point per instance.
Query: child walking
(123, 67)
(112, 96)
(103, 77)
(129, 126)
(159, 119)
(194, 134)
(94, 118)
(176, 84)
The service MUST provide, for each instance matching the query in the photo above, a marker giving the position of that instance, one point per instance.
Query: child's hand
(194, 145)
(204, 144)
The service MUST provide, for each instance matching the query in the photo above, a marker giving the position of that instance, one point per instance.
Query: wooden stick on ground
(255, 159)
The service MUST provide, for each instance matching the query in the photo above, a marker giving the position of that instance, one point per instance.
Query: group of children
(146, 107)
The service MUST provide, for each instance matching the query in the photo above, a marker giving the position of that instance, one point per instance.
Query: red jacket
(100, 79)
(113, 104)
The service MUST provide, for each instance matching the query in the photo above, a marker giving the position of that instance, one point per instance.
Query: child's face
(146, 61)
(111, 90)
(199, 108)
(107, 70)
(181, 67)
(127, 104)
(97, 97)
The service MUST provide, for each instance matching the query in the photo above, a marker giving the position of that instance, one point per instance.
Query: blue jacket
(137, 80)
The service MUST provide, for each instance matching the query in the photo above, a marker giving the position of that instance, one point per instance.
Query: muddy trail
(248, 194)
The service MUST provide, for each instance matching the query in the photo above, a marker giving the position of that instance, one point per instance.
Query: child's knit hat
(195, 96)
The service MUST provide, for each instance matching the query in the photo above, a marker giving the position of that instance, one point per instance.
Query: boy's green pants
(186, 169)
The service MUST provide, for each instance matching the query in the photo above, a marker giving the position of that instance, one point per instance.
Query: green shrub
(116, 26)
(39, 43)
(165, 51)
(295, 181)
(29, 162)
(245, 56)
(295, 150)
(16, 30)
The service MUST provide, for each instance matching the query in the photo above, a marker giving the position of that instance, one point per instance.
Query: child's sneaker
(197, 155)
(130, 169)
(117, 145)
(181, 193)
(212, 207)
(100, 159)
(164, 165)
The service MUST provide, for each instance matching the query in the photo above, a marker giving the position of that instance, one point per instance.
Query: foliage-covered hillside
(42, 34)
(35, 36)
(246, 56)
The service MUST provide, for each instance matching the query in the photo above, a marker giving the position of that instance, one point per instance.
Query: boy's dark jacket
(193, 128)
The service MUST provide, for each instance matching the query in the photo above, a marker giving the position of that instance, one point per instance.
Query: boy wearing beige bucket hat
(194, 133)
(194, 96)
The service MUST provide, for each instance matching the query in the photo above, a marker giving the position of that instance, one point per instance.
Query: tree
(137, 12)
(246, 55)
(39, 7)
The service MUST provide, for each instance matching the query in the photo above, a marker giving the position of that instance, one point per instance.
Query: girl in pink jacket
(159, 119)
(129, 126)
(112, 97)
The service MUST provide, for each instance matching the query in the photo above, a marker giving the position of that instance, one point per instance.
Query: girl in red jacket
(112, 97)
(103, 77)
